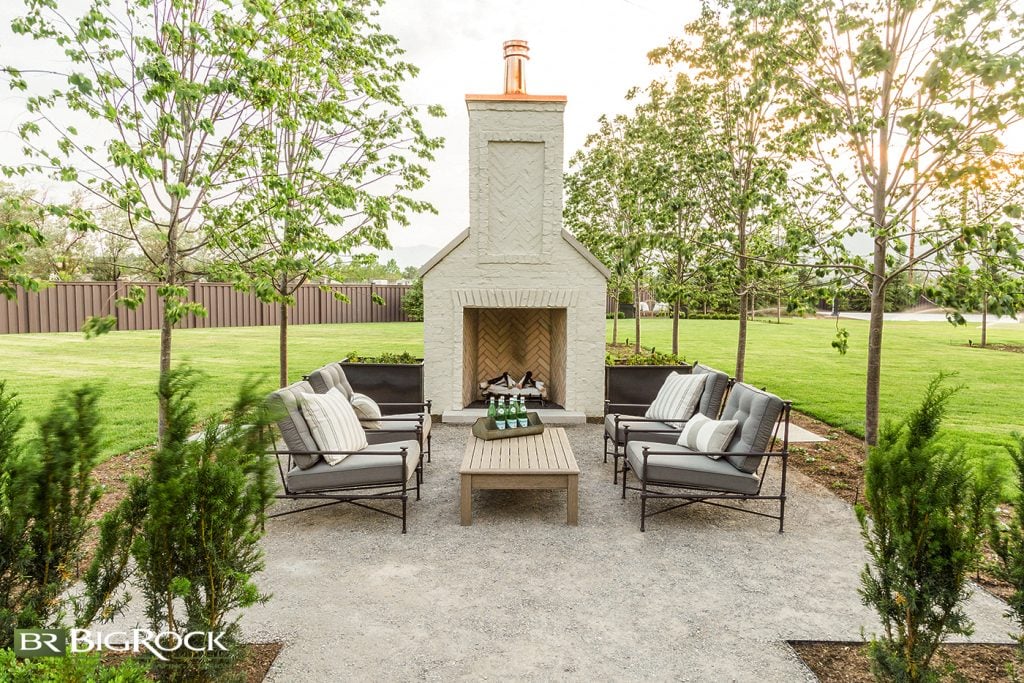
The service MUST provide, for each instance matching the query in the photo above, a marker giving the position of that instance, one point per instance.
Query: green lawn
(41, 366)
(793, 359)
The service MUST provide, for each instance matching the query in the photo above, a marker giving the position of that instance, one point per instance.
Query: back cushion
(330, 376)
(333, 424)
(714, 390)
(757, 412)
(291, 423)
(677, 399)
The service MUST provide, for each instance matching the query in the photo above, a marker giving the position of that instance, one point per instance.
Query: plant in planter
(387, 377)
(634, 378)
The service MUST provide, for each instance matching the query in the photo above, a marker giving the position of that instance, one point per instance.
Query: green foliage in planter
(47, 493)
(412, 302)
(921, 541)
(404, 358)
(623, 355)
(192, 527)
(620, 315)
(80, 668)
(1007, 541)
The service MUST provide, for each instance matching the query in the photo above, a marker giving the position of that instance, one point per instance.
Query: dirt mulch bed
(847, 662)
(252, 667)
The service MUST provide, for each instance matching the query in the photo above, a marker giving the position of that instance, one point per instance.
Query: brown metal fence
(64, 306)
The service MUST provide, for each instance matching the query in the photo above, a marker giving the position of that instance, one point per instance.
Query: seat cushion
(693, 471)
(678, 397)
(757, 412)
(284, 404)
(333, 424)
(359, 469)
(400, 430)
(634, 427)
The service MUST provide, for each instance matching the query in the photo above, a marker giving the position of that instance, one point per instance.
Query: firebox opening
(513, 340)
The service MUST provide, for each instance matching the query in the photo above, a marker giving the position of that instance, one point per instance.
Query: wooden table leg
(466, 497)
(572, 499)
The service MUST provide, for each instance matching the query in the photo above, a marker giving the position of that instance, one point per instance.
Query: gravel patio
(704, 594)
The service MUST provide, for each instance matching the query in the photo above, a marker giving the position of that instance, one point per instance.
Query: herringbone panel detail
(516, 181)
(514, 340)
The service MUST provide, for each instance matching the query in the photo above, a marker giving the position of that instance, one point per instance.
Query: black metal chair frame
(691, 495)
(397, 490)
(618, 450)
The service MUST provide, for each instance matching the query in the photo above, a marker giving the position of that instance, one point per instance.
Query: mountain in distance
(415, 255)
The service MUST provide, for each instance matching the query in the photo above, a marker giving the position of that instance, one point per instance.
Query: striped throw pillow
(704, 435)
(367, 411)
(333, 424)
(678, 397)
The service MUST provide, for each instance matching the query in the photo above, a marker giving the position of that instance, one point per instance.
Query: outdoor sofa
(734, 472)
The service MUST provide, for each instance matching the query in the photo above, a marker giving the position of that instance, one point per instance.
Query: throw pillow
(678, 397)
(367, 411)
(333, 424)
(704, 435)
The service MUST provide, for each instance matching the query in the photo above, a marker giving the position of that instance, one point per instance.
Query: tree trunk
(282, 346)
(741, 267)
(615, 319)
(984, 320)
(166, 327)
(675, 327)
(874, 378)
(636, 307)
(778, 308)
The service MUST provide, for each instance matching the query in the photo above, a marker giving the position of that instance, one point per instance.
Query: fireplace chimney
(516, 54)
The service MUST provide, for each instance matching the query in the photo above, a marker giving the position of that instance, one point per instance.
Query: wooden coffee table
(541, 461)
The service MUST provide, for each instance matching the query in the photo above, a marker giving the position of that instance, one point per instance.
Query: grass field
(794, 359)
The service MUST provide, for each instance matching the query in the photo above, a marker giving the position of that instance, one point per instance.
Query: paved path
(705, 594)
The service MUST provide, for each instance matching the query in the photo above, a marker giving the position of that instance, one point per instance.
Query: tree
(898, 100)
(920, 538)
(18, 232)
(726, 100)
(63, 254)
(338, 153)
(412, 302)
(149, 116)
(605, 204)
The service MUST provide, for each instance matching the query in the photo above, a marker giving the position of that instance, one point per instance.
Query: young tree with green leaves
(338, 153)
(19, 231)
(898, 100)
(727, 96)
(148, 115)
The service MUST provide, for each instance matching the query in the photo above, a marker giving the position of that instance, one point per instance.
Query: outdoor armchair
(383, 470)
(620, 416)
(735, 473)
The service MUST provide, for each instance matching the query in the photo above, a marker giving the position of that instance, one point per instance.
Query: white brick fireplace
(514, 292)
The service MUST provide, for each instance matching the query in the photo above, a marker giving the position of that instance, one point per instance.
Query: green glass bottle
(499, 416)
(523, 419)
(491, 410)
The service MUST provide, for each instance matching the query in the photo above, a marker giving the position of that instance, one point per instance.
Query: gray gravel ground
(704, 595)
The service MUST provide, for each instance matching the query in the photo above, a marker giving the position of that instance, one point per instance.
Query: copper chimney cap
(516, 54)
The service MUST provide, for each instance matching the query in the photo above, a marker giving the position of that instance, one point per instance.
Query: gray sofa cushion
(292, 425)
(634, 427)
(330, 375)
(357, 469)
(400, 430)
(695, 471)
(757, 412)
(714, 390)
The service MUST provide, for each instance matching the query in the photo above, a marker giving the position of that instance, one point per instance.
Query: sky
(591, 52)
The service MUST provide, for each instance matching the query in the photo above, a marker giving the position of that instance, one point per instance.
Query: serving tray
(486, 429)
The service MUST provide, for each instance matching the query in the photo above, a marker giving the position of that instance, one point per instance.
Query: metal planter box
(387, 383)
(637, 383)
